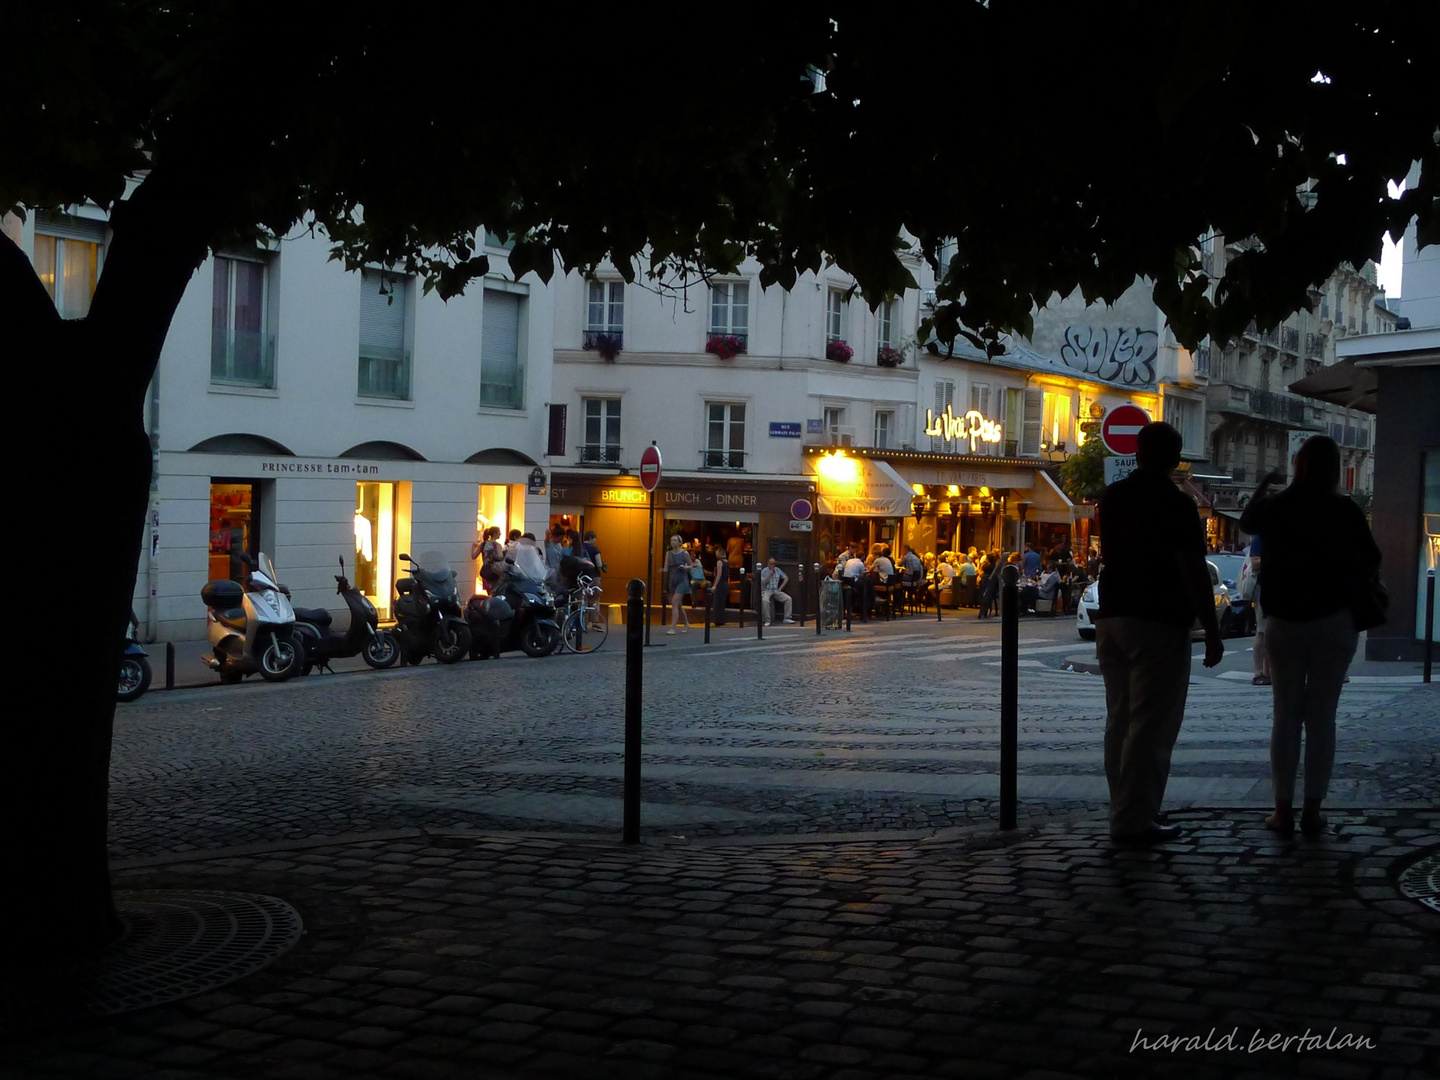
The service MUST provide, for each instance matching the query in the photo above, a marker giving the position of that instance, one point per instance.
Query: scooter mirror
(405, 558)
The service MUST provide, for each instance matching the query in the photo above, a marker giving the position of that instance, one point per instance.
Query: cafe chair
(1045, 608)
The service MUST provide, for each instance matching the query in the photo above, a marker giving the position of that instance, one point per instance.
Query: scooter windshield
(266, 569)
(433, 570)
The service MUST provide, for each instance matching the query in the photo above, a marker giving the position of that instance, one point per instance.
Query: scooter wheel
(452, 643)
(134, 678)
(282, 659)
(381, 651)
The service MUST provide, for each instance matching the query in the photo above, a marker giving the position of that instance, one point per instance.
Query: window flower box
(725, 346)
(607, 343)
(839, 352)
(889, 356)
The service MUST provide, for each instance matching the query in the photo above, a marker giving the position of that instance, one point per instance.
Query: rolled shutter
(382, 314)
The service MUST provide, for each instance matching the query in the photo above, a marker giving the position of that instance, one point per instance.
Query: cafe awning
(860, 487)
(1341, 384)
(1048, 502)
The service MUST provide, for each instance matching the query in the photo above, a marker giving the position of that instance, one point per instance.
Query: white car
(1090, 604)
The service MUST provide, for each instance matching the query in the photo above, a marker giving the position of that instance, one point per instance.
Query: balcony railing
(1290, 339)
(1252, 332)
(1201, 357)
(384, 373)
(722, 459)
(504, 387)
(1259, 404)
(598, 454)
(1315, 345)
(599, 338)
(242, 358)
(1271, 337)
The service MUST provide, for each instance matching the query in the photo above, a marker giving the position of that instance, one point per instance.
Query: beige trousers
(1146, 665)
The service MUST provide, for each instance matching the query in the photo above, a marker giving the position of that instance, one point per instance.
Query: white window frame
(379, 357)
(727, 300)
(600, 450)
(53, 277)
(834, 315)
(611, 303)
(885, 324)
(226, 262)
(725, 456)
(884, 429)
(522, 297)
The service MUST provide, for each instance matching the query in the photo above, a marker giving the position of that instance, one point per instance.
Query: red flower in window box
(839, 352)
(725, 346)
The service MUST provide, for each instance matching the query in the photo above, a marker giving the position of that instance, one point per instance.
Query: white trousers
(769, 603)
(1308, 661)
(1146, 666)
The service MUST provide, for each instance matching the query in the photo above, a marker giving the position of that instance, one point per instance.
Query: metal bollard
(849, 599)
(939, 617)
(759, 610)
(1429, 620)
(1009, 692)
(741, 605)
(709, 603)
(819, 602)
(169, 665)
(802, 598)
(634, 680)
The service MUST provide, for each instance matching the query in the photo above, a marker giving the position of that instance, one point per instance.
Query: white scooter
(252, 628)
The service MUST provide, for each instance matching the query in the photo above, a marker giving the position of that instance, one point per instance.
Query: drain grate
(1421, 881)
(176, 945)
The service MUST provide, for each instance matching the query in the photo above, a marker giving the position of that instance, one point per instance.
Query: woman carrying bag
(677, 571)
(1312, 627)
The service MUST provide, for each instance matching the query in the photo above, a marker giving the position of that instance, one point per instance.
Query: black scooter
(521, 615)
(428, 619)
(364, 638)
(134, 665)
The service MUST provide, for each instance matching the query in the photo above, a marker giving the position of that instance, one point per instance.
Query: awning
(1049, 502)
(1233, 515)
(1341, 384)
(860, 487)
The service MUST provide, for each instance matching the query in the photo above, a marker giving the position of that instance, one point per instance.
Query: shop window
(376, 514)
(724, 436)
(384, 358)
(502, 372)
(234, 529)
(602, 431)
(241, 351)
(492, 511)
(67, 257)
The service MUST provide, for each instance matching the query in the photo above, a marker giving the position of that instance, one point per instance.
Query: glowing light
(837, 468)
(919, 489)
(952, 490)
(972, 426)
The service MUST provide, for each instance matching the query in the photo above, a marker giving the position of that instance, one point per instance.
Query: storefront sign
(291, 467)
(972, 426)
(710, 500)
(784, 430)
(718, 496)
(628, 496)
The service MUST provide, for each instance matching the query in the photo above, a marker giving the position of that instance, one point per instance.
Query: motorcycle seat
(233, 618)
(314, 616)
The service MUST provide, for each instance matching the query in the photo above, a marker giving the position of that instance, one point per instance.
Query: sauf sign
(972, 426)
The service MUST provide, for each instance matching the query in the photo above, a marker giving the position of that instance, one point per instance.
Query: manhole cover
(176, 945)
(1421, 881)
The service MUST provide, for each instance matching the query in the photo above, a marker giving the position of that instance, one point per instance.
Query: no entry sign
(1120, 427)
(650, 468)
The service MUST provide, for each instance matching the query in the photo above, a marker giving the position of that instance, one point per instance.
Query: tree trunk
(86, 485)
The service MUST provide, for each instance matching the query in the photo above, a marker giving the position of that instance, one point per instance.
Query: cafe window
(377, 508)
(724, 435)
(234, 528)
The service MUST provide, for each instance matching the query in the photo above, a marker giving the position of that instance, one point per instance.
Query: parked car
(1090, 603)
(1239, 620)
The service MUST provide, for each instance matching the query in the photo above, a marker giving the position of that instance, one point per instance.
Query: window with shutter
(980, 402)
(502, 374)
(67, 258)
(384, 359)
(944, 396)
(1031, 421)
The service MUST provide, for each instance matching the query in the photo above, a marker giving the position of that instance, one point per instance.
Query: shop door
(375, 513)
(234, 528)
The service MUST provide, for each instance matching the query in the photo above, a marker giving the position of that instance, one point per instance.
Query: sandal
(1312, 824)
(1260, 680)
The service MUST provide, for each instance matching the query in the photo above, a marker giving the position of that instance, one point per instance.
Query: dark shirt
(1316, 544)
(1143, 520)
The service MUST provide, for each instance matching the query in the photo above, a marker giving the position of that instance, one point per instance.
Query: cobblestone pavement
(895, 727)
(1047, 955)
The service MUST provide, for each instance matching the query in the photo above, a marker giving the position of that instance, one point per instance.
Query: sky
(1391, 256)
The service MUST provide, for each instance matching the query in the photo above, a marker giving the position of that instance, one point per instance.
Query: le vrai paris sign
(972, 426)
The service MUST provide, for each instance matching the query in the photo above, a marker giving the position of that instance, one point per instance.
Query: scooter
(521, 615)
(134, 666)
(363, 637)
(251, 628)
(428, 619)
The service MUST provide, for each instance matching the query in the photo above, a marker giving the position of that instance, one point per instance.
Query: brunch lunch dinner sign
(973, 426)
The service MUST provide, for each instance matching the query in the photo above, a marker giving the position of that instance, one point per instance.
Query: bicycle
(584, 623)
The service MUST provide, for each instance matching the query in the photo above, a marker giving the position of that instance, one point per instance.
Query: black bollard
(169, 665)
(759, 610)
(709, 603)
(1429, 620)
(849, 599)
(1009, 692)
(741, 602)
(819, 602)
(938, 616)
(634, 681)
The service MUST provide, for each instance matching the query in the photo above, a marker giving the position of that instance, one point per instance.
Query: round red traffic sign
(650, 468)
(801, 509)
(1120, 427)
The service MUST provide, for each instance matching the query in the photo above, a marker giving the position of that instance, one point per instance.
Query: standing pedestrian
(1307, 531)
(1154, 584)
(677, 573)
